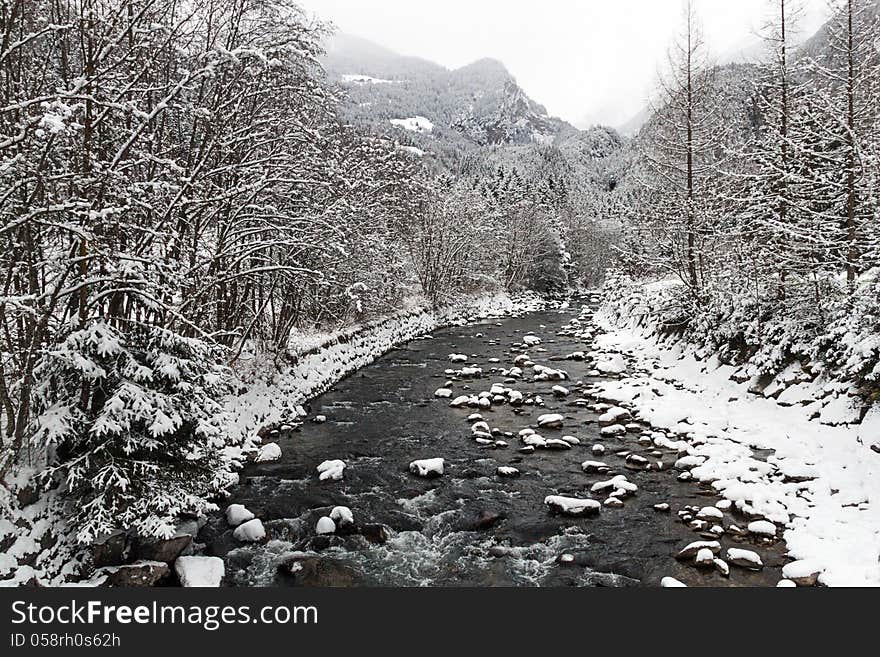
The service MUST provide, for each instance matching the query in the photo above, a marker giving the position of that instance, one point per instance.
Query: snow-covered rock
(560, 391)
(672, 583)
(268, 453)
(804, 572)
(745, 558)
(762, 528)
(443, 393)
(342, 516)
(691, 550)
(200, 572)
(458, 358)
(614, 415)
(325, 525)
(331, 470)
(704, 557)
(237, 514)
(551, 421)
(427, 468)
(507, 471)
(710, 513)
(251, 531)
(572, 506)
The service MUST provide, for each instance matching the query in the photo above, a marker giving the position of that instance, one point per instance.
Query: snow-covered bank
(822, 480)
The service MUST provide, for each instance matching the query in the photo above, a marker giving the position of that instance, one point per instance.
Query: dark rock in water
(487, 519)
(169, 549)
(376, 534)
(320, 543)
(140, 574)
(499, 551)
(110, 550)
(322, 573)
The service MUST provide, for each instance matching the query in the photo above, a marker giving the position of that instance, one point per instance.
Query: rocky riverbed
(479, 456)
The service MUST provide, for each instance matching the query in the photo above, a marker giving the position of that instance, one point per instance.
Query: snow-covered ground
(821, 483)
(351, 78)
(414, 124)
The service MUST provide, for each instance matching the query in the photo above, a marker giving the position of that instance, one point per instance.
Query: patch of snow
(414, 124)
(200, 572)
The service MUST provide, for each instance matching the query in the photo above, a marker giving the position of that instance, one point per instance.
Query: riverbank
(820, 479)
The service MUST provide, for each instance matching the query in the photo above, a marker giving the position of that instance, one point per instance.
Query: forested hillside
(754, 187)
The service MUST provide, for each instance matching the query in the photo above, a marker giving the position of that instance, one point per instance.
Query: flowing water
(469, 527)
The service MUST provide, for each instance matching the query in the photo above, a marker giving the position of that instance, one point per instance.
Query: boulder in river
(268, 453)
(572, 506)
(614, 415)
(637, 462)
(560, 391)
(200, 572)
(486, 520)
(551, 421)
(427, 468)
(324, 526)
(375, 533)
(747, 559)
(710, 513)
(321, 572)
(690, 551)
(236, 514)
(332, 470)
(613, 430)
(762, 528)
(595, 467)
(251, 531)
(342, 516)
(613, 503)
(672, 583)
(804, 572)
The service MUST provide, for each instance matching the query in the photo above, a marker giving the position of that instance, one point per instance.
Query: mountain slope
(440, 111)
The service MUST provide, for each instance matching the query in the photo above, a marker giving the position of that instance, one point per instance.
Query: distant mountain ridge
(476, 105)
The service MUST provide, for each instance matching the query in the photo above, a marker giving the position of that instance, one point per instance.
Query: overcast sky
(588, 61)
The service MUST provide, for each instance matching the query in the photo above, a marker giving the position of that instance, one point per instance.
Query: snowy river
(470, 526)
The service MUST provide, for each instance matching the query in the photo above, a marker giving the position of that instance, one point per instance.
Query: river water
(469, 527)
